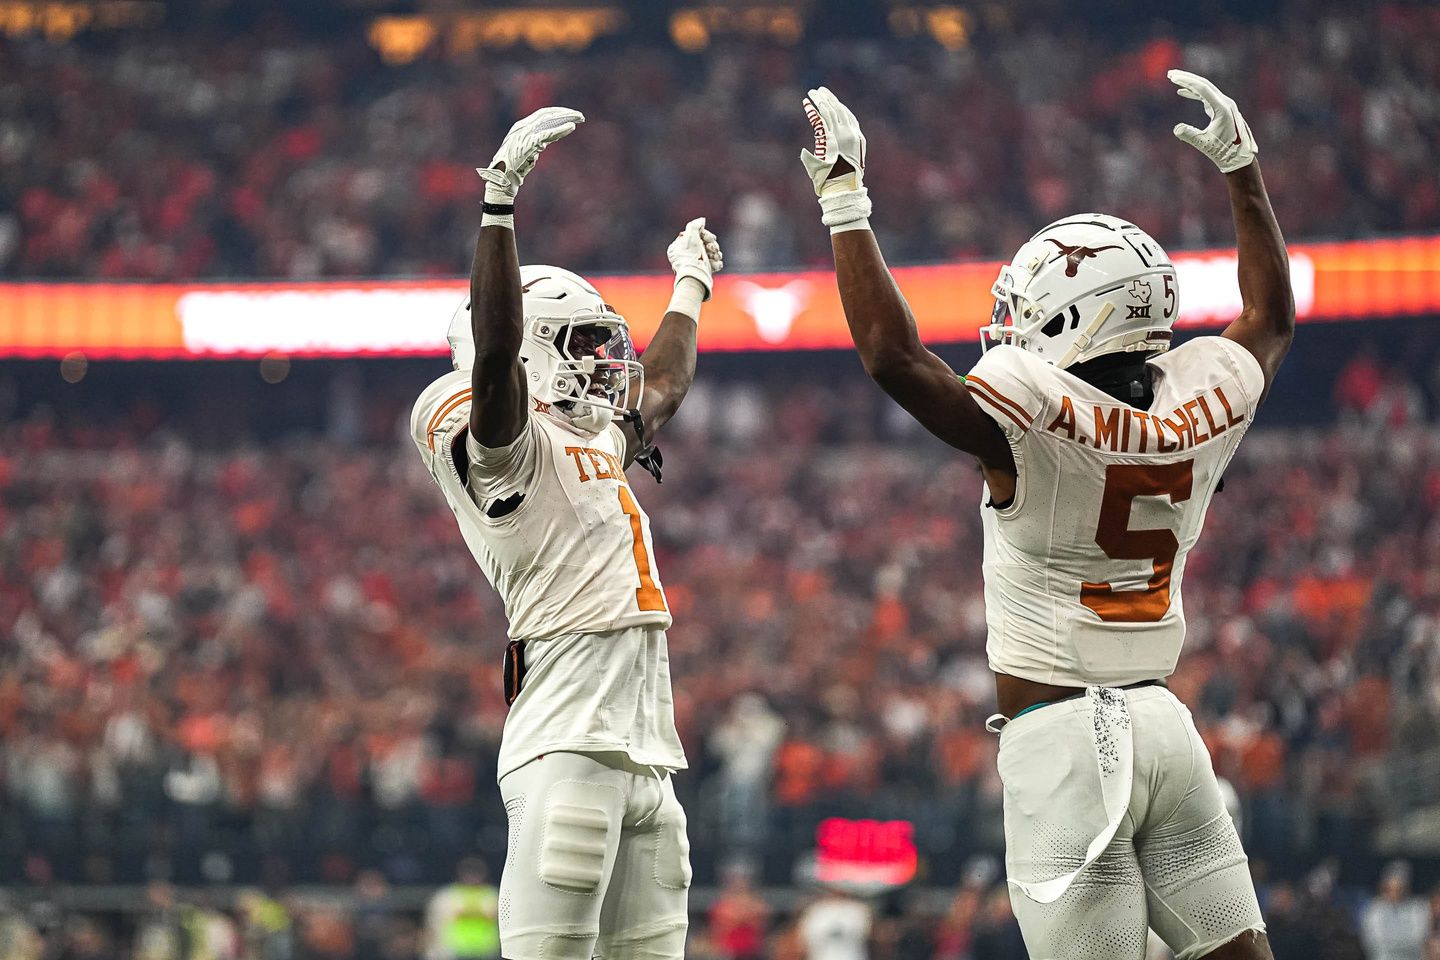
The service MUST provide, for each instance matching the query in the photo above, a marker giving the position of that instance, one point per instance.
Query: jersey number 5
(648, 595)
(1123, 483)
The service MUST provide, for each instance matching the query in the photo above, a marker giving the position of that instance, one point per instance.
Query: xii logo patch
(1139, 291)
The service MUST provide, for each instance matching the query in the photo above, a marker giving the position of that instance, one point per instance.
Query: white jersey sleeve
(1000, 385)
(1083, 568)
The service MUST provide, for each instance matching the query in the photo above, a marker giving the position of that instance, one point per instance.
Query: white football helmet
(1084, 287)
(579, 360)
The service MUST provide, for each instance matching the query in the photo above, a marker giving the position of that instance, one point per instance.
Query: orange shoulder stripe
(999, 399)
(982, 395)
(441, 413)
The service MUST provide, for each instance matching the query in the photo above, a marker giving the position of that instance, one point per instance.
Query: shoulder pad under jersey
(440, 406)
(1007, 383)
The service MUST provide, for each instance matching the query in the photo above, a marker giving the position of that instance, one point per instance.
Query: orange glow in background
(771, 311)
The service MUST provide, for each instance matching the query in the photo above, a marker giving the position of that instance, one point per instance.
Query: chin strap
(1083, 341)
(648, 457)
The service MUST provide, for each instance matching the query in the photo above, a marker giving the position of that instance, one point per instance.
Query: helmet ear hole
(1056, 324)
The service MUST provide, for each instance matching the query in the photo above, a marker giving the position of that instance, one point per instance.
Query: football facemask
(599, 354)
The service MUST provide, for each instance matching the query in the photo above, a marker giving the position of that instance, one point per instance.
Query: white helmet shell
(1085, 286)
(461, 337)
(580, 364)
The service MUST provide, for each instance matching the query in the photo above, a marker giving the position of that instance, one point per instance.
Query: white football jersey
(554, 525)
(1083, 567)
(574, 554)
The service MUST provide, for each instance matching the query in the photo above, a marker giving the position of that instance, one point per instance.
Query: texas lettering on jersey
(604, 465)
(575, 554)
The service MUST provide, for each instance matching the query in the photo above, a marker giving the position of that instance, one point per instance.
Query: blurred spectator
(374, 916)
(160, 933)
(739, 918)
(1330, 926)
(955, 934)
(1291, 937)
(18, 939)
(461, 922)
(997, 935)
(1395, 925)
(267, 928)
(745, 744)
(836, 926)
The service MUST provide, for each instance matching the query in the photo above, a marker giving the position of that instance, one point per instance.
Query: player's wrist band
(498, 207)
(497, 214)
(845, 210)
(861, 224)
(689, 294)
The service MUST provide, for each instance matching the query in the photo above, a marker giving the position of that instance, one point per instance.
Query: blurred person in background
(1327, 920)
(325, 933)
(955, 933)
(529, 439)
(462, 919)
(739, 917)
(373, 915)
(746, 742)
(86, 939)
(1084, 614)
(18, 939)
(1291, 938)
(1395, 925)
(837, 926)
(267, 929)
(997, 935)
(160, 933)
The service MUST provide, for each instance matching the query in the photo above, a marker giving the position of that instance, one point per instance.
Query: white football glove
(844, 201)
(695, 253)
(1227, 140)
(520, 148)
(837, 135)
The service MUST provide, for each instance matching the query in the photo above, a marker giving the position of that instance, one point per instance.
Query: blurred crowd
(1315, 919)
(268, 663)
(269, 153)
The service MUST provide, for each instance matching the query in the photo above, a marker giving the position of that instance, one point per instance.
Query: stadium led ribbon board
(770, 311)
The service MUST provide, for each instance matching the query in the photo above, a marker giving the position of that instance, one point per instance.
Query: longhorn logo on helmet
(1074, 255)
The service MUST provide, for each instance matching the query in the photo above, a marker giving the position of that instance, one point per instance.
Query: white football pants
(1129, 763)
(598, 862)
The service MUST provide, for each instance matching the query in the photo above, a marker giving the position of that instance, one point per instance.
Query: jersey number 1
(1123, 483)
(648, 595)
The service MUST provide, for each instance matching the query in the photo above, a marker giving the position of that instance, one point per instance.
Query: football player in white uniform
(529, 439)
(1100, 452)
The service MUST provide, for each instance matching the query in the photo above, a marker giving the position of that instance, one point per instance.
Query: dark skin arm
(888, 342)
(1266, 325)
(499, 400)
(669, 363)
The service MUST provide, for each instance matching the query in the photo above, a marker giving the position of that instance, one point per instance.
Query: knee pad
(662, 940)
(575, 841)
(542, 945)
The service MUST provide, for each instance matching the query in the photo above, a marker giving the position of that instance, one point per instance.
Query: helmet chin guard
(1083, 287)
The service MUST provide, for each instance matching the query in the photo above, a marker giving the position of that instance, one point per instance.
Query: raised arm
(669, 359)
(1266, 325)
(499, 400)
(880, 320)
